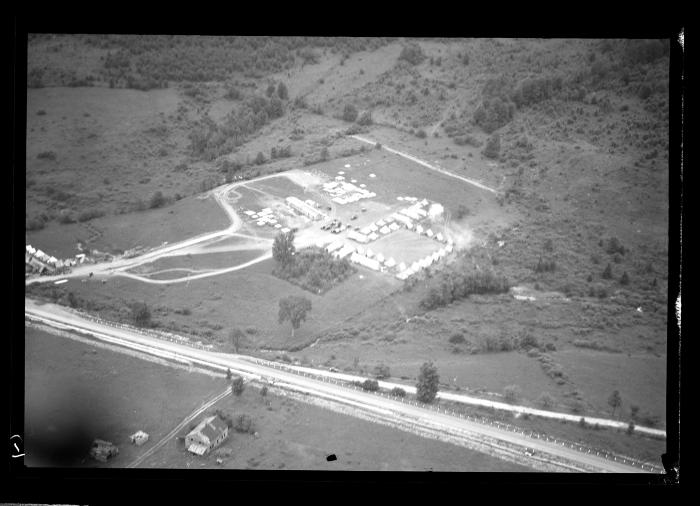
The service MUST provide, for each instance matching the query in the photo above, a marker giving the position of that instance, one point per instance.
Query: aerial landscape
(346, 253)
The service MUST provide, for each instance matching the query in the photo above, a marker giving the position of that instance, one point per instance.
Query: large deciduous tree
(294, 309)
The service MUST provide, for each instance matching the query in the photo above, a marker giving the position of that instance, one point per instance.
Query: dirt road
(426, 164)
(545, 453)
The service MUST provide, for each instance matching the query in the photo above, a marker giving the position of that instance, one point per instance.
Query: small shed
(102, 450)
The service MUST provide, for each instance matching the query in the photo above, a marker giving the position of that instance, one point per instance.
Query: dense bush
(398, 392)
(545, 265)
(140, 314)
(157, 200)
(420, 133)
(511, 393)
(533, 91)
(494, 113)
(456, 286)
(90, 214)
(645, 51)
(382, 371)
(34, 224)
(315, 270)
(428, 382)
(46, 155)
(371, 385)
(365, 119)
(350, 113)
(493, 147)
(243, 423)
(412, 53)
(237, 385)
(457, 338)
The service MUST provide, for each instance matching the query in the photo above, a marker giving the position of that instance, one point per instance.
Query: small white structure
(360, 250)
(436, 256)
(449, 248)
(249, 212)
(419, 229)
(373, 236)
(402, 266)
(285, 230)
(394, 227)
(390, 262)
(373, 175)
(384, 230)
(356, 236)
(373, 227)
(429, 233)
(366, 230)
(345, 251)
(340, 172)
(439, 237)
(367, 262)
(139, 438)
(369, 253)
(334, 246)
(363, 185)
(265, 211)
(380, 223)
(380, 258)
(399, 198)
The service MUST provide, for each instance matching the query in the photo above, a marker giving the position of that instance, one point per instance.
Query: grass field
(120, 394)
(117, 233)
(205, 261)
(71, 386)
(294, 435)
(247, 299)
(405, 246)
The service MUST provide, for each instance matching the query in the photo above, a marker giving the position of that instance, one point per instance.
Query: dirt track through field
(426, 164)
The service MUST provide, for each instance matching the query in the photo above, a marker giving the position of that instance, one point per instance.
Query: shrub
(237, 385)
(370, 385)
(382, 371)
(493, 114)
(365, 119)
(398, 392)
(46, 155)
(263, 391)
(458, 285)
(412, 53)
(350, 113)
(90, 214)
(157, 200)
(457, 338)
(420, 133)
(140, 314)
(282, 92)
(613, 246)
(493, 147)
(33, 224)
(259, 159)
(546, 400)
(625, 279)
(511, 393)
(243, 423)
(607, 273)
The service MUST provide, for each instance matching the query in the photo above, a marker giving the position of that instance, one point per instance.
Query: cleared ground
(405, 246)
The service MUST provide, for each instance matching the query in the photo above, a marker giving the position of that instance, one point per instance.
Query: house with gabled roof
(206, 436)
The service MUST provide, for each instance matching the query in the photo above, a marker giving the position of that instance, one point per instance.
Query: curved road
(562, 457)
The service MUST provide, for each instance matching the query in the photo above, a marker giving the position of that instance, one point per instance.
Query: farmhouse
(206, 436)
(304, 208)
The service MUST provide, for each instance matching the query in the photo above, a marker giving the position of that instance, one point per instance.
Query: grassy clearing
(248, 299)
(205, 261)
(70, 385)
(295, 435)
(117, 233)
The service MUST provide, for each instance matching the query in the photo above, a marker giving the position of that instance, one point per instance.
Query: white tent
(402, 266)
(439, 237)
(394, 227)
(366, 230)
(415, 266)
(345, 251)
(334, 246)
(356, 236)
(419, 229)
(369, 253)
(385, 230)
(380, 258)
(399, 198)
(449, 248)
(373, 227)
(390, 262)
(436, 257)
(429, 233)
(278, 225)
(360, 250)
(401, 276)
(373, 236)
(381, 223)
(249, 212)
(367, 262)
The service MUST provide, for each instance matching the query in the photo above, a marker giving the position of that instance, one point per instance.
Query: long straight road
(556, 456)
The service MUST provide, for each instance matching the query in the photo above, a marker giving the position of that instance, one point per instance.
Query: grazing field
(200, 262)
(118, 394)
(117, 233)
(293, 435)
(72, 388)
(248, 299)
